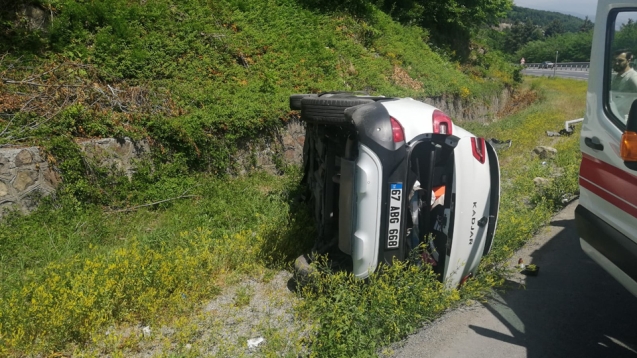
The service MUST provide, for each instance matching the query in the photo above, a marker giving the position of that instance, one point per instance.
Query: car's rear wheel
(295, 100)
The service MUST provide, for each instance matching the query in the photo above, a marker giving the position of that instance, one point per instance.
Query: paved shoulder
(571, 309)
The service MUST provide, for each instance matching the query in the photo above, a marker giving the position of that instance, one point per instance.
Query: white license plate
(395, 210)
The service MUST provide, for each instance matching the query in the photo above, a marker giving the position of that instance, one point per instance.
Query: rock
(25, 179)
(541, 182)
(5, 164)
(302, 267)
(23, 158)
(6, 206)
(52, 177)
(545, 152)
(118, 155)
(288, 141)
(36, 17)
(4, 190)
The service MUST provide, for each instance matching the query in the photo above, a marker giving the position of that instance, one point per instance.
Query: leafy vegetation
(544, 19)
(626, 37)
(195, 76)
(572, 47)
(531, 30)
(452, 23)
(67, 272)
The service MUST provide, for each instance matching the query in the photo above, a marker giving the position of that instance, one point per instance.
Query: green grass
(196, 75)
(70, 270)
(66, 272)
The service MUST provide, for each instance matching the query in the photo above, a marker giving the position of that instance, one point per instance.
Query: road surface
(575, 74)
(571, 309)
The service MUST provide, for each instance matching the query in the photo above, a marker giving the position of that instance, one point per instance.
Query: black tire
(329, 110)
(295, 100)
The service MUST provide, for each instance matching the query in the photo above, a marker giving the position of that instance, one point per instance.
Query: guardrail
(569, 66)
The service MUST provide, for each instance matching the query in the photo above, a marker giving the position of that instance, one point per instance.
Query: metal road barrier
(568, 66)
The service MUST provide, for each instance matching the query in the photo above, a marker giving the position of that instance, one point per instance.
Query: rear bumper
(368, 191)
(611, 249)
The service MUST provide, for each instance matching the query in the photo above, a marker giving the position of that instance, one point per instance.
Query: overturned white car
(395, 179)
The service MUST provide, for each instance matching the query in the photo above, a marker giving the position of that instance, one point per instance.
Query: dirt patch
(520, 99)
(253, 309)
(402, 78)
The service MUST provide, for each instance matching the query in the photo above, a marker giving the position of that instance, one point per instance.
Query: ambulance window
(621, 79)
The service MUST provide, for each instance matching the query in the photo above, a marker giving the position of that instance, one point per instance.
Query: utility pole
(555, 64)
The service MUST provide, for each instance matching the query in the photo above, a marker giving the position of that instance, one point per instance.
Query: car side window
(621, 76)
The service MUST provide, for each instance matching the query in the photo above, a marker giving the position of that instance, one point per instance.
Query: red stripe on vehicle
(616, 182)
(619, 203)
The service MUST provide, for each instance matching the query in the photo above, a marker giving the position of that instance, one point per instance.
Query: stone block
(24, 180)
(4, 189)
(5, 167)
(544, 152)
(23, 158)
(541, 182)
(51, 176)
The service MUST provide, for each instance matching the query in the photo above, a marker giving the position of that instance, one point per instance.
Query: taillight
(464, 279)
(442, 123)
(397, 131)
(479, 149)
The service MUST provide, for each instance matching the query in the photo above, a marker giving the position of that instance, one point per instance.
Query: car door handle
(594, 143)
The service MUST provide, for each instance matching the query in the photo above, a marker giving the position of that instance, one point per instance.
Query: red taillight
(479, 149)
(442, 123)
(464, 279)
(397, 131)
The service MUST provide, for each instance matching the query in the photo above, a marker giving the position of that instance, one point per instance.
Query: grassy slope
(221, 69)
(69, 273)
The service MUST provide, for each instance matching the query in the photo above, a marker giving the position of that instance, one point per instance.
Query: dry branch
(57, 86)
(150, 204)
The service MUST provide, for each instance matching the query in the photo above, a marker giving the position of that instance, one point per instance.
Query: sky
(579, 8)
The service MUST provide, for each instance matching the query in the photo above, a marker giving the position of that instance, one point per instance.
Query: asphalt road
(572, 308)
(579, 75)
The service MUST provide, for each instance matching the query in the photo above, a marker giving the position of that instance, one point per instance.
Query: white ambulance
(606, 217)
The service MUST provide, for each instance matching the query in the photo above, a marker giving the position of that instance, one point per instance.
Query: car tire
(329, 110)
(295, 100)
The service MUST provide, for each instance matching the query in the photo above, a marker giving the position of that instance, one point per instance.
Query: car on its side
(396, 179)
(547, 64)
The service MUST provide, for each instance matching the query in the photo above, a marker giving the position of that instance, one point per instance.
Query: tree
(554, 28)
(520, 34)
(626, 37)
(587, 25)
(573, 47)
(450, 21)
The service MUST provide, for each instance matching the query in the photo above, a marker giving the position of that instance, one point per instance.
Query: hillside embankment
(203, 84)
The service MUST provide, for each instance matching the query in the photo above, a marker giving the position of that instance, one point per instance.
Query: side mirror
(628, 147)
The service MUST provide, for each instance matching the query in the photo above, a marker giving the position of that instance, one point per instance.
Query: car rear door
(470, 211)
(606, 217)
